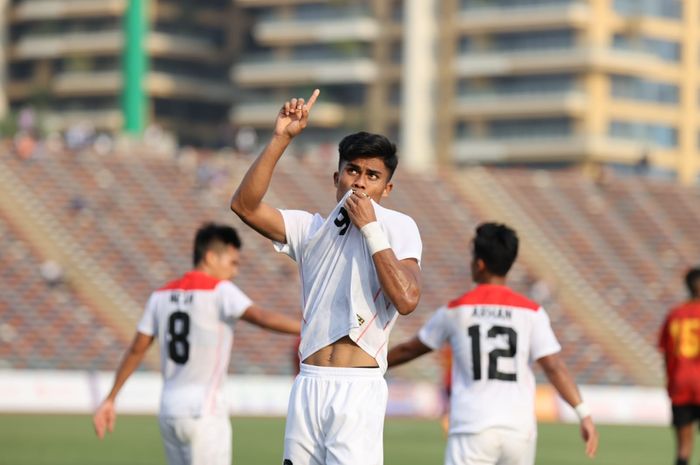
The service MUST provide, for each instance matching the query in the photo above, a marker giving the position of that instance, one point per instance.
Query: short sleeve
(296, 225)
(232, 300)
(148, 324)
(543, 342)
(404, 238)
(435, 332)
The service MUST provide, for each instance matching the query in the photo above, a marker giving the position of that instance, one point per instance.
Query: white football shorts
(336, 417)
(197, 441)
(494, 446)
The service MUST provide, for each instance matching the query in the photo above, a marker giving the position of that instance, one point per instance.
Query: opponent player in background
(495, 334)
(193, 318)
(680, 343)
(359, 267)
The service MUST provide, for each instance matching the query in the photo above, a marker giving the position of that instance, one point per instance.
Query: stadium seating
(628, 238)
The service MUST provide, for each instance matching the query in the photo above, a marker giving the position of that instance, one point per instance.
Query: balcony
(39, 10)
(169, 45)
(571, 148)
(71, 84)
(309, 31)
(525, 149)
(538, 16)
(108, 119)
(262, 114)
(165, 85)
(499, 105)
(258, 3)
(303, 71)
(58, 45)
(87, 83)
(497, 63)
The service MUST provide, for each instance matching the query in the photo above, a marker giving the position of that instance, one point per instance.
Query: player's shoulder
(394, 218)
(684, 310)
(486, 294)
(192, 281)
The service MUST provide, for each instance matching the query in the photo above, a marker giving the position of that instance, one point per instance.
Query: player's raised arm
(247, 201)
(557, 373)
(105, 416)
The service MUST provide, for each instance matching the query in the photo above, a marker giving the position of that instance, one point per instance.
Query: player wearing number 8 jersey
(495, 334)
(192, 318)
(680, 343)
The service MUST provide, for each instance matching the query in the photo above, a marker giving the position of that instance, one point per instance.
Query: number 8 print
(179, 329)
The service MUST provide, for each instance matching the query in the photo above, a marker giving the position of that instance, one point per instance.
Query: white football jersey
(192, 318)
(341, 295)
(495, 334)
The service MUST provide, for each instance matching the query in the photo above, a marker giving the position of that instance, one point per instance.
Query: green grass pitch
(69, 440)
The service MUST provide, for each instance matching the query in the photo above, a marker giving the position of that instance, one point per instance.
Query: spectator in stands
(51, 272)
(193, 318)
(495, 334)
(679, 342)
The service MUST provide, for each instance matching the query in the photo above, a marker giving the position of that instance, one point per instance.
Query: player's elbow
(237, 205)
(408, 303)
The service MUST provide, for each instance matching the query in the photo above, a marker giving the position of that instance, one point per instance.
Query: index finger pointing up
(312, 99)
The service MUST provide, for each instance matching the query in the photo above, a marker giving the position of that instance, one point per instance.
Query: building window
(338, 50)
(635, 88)
(662, 8)
(647, 133)
(530, 128)
(666, 50)
(517, 85)
(476, 4)
(535, 40)
(315, 11)
(463, 130)
(464, 45)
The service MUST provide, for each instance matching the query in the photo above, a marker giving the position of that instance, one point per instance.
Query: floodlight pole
(134, 67)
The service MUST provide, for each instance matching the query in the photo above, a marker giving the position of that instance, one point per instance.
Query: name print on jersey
(492, 312)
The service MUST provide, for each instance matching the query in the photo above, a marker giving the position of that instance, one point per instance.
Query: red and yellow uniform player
(680, 343)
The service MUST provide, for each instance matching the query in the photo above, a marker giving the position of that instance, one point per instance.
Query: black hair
(692, 281)
(366, 145)
(497, 245)
(213, 236)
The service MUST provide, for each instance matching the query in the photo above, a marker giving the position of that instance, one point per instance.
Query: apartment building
(351, 50)
(122, 63)
(508, 81)
(611, 81)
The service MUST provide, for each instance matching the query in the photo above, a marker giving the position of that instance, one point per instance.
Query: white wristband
(582, 410)
(375, 237)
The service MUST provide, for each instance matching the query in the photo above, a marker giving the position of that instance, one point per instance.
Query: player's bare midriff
(343, 353)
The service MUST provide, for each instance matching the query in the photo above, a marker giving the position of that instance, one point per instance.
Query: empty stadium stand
(607, 257)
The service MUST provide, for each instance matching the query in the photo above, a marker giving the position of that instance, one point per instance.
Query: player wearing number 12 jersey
(680, 343)
(192, 318)
(495, 334)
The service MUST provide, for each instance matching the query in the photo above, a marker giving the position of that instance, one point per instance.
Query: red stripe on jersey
(367, 327)
(380, 349)
(491, 294)
(193, 281)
